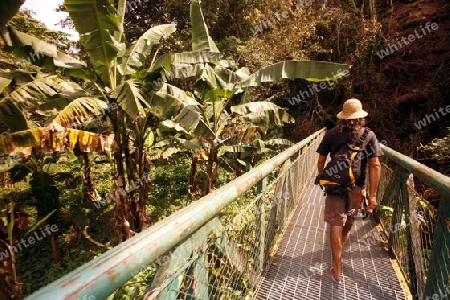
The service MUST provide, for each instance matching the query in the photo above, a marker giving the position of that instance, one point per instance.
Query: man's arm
(374, 180)
(321, 163)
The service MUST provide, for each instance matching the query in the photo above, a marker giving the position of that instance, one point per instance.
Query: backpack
(344, 167)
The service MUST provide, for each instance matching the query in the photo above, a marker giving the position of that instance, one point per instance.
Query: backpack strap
(357, 149)
(363, 137)
(361, 140)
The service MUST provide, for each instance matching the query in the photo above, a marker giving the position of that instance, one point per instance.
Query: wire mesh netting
(226, 257)
(409, 222)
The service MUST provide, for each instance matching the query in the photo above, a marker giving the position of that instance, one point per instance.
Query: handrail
(104, 274)
(431, 177)
(418, 232)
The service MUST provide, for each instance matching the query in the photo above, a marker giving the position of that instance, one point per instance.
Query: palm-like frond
(310, 70)
(129, 97)
(81, 110)
(96, 22)
(40, 53)
(201, 41)
(54, 138)
(176, 105)
(263, 114)
(31, 95)
(137, 53)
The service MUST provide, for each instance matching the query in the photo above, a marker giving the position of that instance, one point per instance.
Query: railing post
(382, 183)
(284, 189)
(412, 236)
(394, 185)
(261, 224)
(416, 241)
(391, 188)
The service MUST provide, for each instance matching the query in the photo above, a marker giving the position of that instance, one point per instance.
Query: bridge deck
(300, 267)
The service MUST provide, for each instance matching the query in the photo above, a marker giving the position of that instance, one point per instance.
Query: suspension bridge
(277, 245)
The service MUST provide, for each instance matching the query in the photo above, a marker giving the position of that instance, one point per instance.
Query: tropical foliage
(135, 105)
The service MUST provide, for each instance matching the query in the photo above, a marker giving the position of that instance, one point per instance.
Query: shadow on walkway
(300, 267)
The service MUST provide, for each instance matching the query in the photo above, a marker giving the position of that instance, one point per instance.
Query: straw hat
(352, 109)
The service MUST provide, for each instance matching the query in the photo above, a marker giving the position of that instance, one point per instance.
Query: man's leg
(346, 231)
(355, 202)
(335, 215)
(336, 240)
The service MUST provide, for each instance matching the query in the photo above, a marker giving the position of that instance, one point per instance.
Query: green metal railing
(215, 248)
(418, 232)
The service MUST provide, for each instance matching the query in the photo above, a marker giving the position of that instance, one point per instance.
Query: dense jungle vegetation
(166, 103)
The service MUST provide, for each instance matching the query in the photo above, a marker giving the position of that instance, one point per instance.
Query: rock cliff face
(416, 63)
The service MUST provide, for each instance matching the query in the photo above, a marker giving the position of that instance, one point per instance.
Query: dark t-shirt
(333, 141)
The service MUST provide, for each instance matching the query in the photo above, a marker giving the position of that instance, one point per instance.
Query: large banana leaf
(43, 86)
(129, 97)
(310, 70)
(228, 76)
(40, 53)
(96, 22)
(238, 149)
(137, 53)
(278, 142)
(206, 67)
(264, 114)
(18, 76)
(184, 60)
(173, 104)
(31, 95)
(81, 110)
(55, 138)
(251, 107)
(201, 41)
(269, 118)
(4, 83)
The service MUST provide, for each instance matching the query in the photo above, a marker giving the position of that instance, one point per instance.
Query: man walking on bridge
(349, 130)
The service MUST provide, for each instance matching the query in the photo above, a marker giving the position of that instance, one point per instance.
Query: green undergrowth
(169, 194)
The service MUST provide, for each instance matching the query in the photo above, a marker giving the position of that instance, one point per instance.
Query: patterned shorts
(335, 212)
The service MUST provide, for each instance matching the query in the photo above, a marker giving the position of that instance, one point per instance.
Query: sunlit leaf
(129, 97)
(201, 41)
(309, 70)
(96, 22)
(139, 50)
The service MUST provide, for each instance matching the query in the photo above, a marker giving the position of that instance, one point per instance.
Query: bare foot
(334, 277)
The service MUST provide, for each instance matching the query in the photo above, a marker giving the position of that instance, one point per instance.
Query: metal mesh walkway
(300, 267)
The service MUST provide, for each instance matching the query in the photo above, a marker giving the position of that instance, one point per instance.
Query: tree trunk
(212, 169)
(5, 179)
(144, 187)
(373, 9)
(10, 287)
(89, 192)
(209, 171)
(118, 193)
(130, 164)
(192, 176)
(238, 165)
(55, 251)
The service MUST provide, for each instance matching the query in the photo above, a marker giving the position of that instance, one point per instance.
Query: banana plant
(12, 220)
(31, 99)
(114, 64)
(205, 115)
